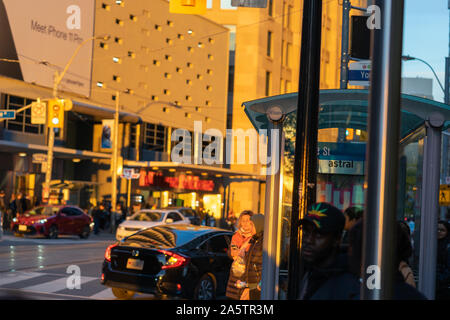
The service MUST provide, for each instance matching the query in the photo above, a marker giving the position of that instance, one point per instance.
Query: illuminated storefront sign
(181, 181)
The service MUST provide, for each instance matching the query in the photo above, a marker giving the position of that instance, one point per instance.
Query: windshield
(188, 212)
(151, 216)
(42, 211)
(165, 236)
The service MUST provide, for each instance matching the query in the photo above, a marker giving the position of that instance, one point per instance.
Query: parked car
(182, 260)
(189, 213)
(52, 221)
(148, 218)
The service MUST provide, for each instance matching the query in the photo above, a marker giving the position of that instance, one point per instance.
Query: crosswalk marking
(56, 285)
(7, 278)
(104, 295)
(90, 286)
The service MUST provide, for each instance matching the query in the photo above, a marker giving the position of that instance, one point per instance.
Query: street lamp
(409, 58)
(51, 139)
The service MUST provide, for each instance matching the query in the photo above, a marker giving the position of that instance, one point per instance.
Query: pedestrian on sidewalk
(404, 252)
(443, 262)
(253, 261)
(238, 247)
(322, 233)
(98, 215)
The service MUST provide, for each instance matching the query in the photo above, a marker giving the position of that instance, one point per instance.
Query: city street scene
(231, 150)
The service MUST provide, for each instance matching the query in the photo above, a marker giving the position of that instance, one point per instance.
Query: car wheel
(122, 293)
(53, 232)
(205, 289)
(85, 232)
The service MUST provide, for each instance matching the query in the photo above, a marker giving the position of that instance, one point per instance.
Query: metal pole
(271, 213)
(346, 6)
(305, 163)
(114, 163)
(430, 206)
(51, 142)
(382, 153)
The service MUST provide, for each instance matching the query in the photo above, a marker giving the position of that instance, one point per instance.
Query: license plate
(135, 264)
(22, 228)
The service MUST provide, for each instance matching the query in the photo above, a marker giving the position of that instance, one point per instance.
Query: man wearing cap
(322, 231)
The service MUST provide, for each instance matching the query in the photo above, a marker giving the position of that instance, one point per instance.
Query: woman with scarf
(240, 243)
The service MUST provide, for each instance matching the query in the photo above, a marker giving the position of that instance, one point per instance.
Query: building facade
(265, 49)
(165, 71)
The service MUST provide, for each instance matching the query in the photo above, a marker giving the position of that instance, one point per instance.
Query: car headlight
(14, 219)
(42, 221)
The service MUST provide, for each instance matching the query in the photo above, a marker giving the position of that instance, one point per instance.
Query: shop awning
(59, 152)
(70, 184)
(195, 169)
(348, 109)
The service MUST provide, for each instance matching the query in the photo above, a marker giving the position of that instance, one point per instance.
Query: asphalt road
(39, 268)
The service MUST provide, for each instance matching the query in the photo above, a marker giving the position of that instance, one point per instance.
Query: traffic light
(187, 6)
(56, 113)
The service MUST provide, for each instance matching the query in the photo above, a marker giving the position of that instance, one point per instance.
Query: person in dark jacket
(352, 216)
(347, 286)
(98, 215)
(322, 231)
(443, 262)
(253, 261)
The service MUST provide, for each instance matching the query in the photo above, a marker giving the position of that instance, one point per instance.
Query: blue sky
(426, 36)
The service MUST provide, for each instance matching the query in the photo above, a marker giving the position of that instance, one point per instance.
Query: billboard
(107, 134)
(43, 35)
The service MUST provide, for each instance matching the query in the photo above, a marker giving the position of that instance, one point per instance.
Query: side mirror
(169, 220)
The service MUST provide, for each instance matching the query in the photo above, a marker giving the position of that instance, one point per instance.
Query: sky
(426, 36)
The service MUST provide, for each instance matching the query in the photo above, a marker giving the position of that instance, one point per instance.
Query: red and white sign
(130, 174)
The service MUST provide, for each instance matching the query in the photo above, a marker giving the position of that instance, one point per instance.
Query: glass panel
(341, 155)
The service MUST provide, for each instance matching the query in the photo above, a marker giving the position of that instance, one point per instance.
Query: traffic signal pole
(305, 163)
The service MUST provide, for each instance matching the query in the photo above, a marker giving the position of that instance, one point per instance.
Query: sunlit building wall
(266, 44)
(170, 69)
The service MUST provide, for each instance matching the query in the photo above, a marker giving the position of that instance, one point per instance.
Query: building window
(154, 137)
(269, 43)
(22, 122)
(270, 7)
(268, 83)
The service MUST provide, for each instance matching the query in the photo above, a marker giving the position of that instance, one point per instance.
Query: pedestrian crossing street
(29, 283)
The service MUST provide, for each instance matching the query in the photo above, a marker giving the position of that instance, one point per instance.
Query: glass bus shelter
(342, 140)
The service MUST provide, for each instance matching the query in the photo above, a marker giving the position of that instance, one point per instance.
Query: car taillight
(108, 252)
(174, 260)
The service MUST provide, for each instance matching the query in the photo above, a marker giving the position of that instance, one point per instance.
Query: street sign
(359, 73)
(38, 112)
(130, 174)
(444, 195)
(8, 114)
(249, 3)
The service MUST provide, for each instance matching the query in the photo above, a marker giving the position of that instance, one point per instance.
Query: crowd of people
(16, 204)
(331, 257)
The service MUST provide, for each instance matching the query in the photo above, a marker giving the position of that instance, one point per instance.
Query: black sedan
(183, 261)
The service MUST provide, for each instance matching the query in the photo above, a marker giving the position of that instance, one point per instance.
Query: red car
(52, 221)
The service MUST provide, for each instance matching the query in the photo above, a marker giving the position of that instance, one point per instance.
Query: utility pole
(114, 161)
(445, 137)
(345, 58)
(51, 139)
